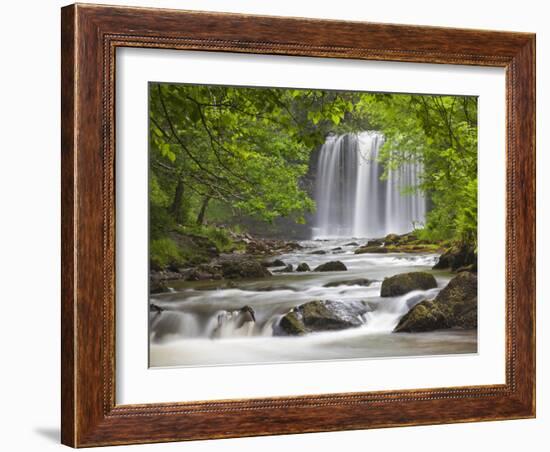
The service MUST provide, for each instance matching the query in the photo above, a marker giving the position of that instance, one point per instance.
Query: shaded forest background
(226, 159)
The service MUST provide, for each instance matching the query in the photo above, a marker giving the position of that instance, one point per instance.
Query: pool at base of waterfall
(208, 323)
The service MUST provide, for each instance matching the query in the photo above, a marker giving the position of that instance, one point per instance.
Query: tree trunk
(176, 208)
(202, 212)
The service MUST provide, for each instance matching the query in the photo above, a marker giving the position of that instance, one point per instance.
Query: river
(201, 323)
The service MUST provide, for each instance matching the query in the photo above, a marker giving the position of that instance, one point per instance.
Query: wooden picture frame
(90, 36)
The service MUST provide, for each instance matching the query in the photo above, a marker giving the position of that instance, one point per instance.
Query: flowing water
(352, 199)
(202, 323)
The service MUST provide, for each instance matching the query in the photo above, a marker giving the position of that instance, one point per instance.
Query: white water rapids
(202, 323)
(352, 199)
(213, 322)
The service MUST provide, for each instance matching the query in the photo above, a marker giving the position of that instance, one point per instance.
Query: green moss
(425, 316)
(415, 247)
(292, 324)
(406, 282)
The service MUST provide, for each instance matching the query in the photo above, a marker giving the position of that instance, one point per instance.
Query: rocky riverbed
(280, 301)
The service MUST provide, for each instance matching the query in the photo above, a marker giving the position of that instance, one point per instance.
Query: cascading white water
(225, 324)
(352, 200)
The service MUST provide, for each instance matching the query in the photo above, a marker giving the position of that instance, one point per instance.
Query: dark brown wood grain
(90, 36)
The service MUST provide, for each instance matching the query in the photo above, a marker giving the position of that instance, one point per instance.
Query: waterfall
(351, 199)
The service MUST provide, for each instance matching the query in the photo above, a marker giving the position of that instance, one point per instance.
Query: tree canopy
(218, 151)
(441, 133)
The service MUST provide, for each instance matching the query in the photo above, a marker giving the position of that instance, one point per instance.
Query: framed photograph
(281, 225)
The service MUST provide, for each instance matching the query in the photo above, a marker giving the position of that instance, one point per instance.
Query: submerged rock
(288, 268)
(332, 266)
(322, 315)
(350, 282)
(454, 307)
(375, 242)
(351, 244)
(233, 269)
(303, 267)
(407, 282)
(318, 252)
(155, 308)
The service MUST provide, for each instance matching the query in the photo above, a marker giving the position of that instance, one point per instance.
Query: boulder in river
(425, 316)
(318, 252)
(351, 244)
(156, 286)
(322, 315)
(234, 269)
(303, 267)
(460, 297)
(274, 263)
(350, 282)
(203, 272)
(332, 266)
(246, 314)
(454, 307)
(457, 258)
(407, 282)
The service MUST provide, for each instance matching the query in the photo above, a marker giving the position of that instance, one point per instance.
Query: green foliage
(219, 152)
(441, 133)
(164, 252)
(220, 237)
(241, 150)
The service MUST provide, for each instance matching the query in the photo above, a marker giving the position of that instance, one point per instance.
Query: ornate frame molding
(90, 37)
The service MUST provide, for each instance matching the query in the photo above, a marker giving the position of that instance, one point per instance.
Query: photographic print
(294, 225)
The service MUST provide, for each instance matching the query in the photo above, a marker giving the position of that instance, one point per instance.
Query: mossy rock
(375, 249)
(274, 263)
(457, 258)
(460, 296)
(413, 248)
(292, 325)
(332, 266)
(392, 238)
(454, 307)
(156, 287)
(425, 316)
(322, 315)
(203, 272)
(234, 269)
(303, 267)
(407, 282)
